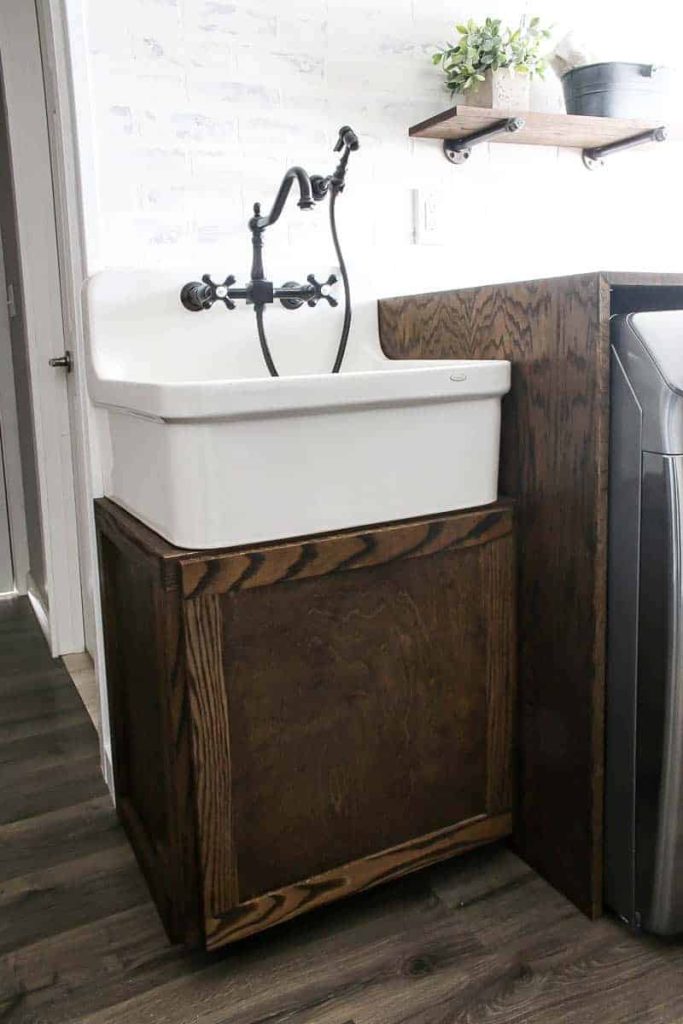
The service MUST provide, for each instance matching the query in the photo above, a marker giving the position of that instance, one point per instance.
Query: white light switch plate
(429, 223)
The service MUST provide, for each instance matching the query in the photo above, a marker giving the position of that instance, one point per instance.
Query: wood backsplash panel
(554, 461)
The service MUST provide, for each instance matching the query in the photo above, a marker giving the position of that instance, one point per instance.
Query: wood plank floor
(481, 940)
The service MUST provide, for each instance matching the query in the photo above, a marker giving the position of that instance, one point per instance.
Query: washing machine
(644, 753)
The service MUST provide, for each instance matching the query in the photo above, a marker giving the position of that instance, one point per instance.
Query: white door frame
(9, 428)
(42, 303)
(58, 72)
(62, 36)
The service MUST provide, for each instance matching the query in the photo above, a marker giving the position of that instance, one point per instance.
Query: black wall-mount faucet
(259, 291)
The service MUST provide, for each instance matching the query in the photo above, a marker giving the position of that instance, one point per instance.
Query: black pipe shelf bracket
(459, 150)
(595, 157)
(461, 128)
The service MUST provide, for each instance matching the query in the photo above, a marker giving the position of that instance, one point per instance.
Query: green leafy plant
(489, 47)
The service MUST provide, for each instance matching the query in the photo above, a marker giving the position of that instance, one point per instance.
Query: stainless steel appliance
(644, 766)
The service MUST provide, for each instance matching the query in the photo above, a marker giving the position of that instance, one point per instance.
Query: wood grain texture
(512, 953)
(138, 542)
(478, 939)
(47, 788)
(360, 708)
(499, 565)
(310, 702)
(128, 612)
(183, 866)
(290, 901)
(68, 895)
(353, 549)
(208, 699)
(540, 129)
(554, 461)
(149, 715)
(44, 840)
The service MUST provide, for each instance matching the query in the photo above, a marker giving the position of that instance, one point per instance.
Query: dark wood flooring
(481, 940)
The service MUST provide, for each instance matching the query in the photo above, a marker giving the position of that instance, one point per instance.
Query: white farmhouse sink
(210, 460)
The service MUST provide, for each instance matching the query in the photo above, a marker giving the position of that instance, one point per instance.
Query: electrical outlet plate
(429, 225)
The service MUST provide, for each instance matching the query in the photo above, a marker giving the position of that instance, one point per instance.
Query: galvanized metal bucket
(618, 89)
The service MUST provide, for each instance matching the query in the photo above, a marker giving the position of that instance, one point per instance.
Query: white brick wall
(198, 106)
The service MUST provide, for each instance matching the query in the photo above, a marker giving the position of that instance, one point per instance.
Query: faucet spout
(305, 202)
(259, 222)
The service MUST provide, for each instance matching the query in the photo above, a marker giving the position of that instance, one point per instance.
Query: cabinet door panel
(358, 709)
(351, 713)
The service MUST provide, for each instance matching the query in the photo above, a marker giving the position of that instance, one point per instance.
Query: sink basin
(209, 460)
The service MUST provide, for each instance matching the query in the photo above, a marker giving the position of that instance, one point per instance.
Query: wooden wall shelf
(569, 131)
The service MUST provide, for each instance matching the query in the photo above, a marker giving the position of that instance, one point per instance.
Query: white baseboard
(38, 607)
(21, 584)
(108, 771)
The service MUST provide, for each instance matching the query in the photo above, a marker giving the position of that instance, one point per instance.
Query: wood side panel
(211, 747)
(500, 583)
(151, 725)
(137, 741)
(554, 461)
(129, 610)
(137, 542)
(183, 851)
(605, 299)
(290, 901)
(354, 549)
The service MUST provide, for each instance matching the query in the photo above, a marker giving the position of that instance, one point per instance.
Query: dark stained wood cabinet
(298, 721)
(554, 463)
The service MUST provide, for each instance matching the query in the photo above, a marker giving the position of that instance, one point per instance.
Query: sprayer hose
(346, 326)
(272, 369)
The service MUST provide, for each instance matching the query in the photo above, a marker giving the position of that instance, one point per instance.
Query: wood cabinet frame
(419, 663)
